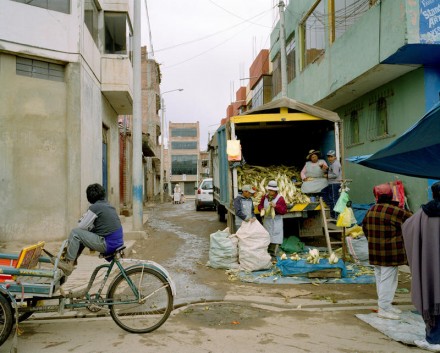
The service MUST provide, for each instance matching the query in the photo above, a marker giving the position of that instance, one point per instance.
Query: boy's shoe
(426, 345)
(66, 266)
(387, 315)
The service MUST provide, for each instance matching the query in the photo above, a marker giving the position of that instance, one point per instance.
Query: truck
(280, 132)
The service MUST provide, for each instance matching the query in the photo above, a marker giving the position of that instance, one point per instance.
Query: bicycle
(139, 298)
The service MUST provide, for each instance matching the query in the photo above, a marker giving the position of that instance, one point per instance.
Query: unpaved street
(216, 314)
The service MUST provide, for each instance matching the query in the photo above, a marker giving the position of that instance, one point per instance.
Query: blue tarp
(415, 153)
(290, 267)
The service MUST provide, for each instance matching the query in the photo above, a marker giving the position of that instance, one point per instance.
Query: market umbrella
(415, 153)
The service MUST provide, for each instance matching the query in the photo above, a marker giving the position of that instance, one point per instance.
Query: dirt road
(215, 314)
(221, 315)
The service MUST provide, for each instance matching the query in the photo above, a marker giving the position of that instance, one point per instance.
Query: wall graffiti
(429, 21)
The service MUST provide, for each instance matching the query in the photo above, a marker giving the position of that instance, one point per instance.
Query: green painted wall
(404, 109)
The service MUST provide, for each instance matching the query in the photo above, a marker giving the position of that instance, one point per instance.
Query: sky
(205, 47)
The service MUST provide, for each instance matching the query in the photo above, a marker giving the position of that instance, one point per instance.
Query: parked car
(204, 195)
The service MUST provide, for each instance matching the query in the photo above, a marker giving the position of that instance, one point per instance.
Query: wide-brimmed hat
(331, 153)
(272, 185)
(248, 188)
(313, 152)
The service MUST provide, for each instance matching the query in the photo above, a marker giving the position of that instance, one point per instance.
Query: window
(184, 164)
(184, 132)
(39, 69)
(354, 127)
(257, 96)
(184, 145)
(276, 75)
(290, 51)
(313, 28)
(118, 34)
(381, 120)
(378, 115)
(91, 19)
(54, 5)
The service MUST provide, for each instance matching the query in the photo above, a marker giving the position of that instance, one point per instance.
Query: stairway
(329, 227)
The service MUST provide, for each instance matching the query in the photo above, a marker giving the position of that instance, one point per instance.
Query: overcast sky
(205, 47)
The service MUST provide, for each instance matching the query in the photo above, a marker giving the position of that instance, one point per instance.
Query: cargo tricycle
(138, 294)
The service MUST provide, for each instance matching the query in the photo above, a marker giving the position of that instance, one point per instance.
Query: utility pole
(283, 51)
(162, 162)
(137, 122)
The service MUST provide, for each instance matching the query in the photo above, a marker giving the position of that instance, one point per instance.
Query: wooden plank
(30, 255)
(327, 273)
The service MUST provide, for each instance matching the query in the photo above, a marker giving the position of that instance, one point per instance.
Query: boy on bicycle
(99, 229)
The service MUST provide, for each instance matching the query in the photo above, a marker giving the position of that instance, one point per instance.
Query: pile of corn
(259, 177)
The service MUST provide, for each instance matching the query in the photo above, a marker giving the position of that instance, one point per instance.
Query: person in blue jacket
(99, 229)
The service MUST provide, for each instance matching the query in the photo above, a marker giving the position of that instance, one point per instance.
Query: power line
(215, 33)
(210, 49)
(235, 15)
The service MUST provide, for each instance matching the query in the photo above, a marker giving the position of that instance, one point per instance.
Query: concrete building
(376, 63)
(183, 154)
(65, 76)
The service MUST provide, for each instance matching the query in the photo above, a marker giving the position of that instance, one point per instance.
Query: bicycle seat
(118, 250)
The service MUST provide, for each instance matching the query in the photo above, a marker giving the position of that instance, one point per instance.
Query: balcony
(117, 82)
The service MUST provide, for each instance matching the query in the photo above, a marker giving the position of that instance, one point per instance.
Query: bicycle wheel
(147, 312)
(6, 317)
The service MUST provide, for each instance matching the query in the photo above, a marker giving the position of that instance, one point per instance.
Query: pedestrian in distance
(244, 206)
(99, 229)
(274, 207)
(330, 193)
(382, 226)
(421, 235)
(313, 174)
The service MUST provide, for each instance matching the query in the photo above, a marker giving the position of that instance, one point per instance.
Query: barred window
(39, 69)
(276, 75)
(379, 110)
(354, 127)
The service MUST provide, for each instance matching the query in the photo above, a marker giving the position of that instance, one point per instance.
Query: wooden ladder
(331, 230)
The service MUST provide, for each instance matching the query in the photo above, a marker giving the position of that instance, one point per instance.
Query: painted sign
(429, 21)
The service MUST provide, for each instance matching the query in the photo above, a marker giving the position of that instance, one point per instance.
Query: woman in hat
(273, 200)
(330, 194)
(314, 174)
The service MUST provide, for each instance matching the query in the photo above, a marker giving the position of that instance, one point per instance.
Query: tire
(6, 319)
(221, 213)
(136, 317)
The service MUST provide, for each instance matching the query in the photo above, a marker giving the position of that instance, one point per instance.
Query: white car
(204, 195)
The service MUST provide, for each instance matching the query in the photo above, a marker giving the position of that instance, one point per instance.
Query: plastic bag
(292, 245)
(346, 218)
(233, 150)
(341, 204)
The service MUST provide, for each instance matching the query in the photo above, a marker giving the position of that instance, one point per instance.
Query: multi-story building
(65, 77)
(183, 153)
(376, 63)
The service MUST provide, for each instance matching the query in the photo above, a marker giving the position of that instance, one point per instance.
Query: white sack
(223, 250)
(253, 240)
(358, 249)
